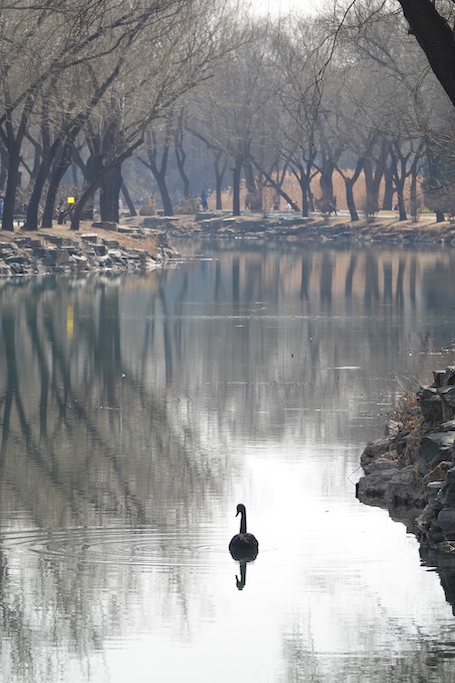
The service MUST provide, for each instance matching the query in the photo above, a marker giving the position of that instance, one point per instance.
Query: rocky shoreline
(338, 229)
(142, 243)
(103, 248)
(411, 470)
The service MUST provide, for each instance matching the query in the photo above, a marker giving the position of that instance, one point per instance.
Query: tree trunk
(160, 176)
(436, 39)
(11, 185)
(219, 173)
(304, 184)
(372, 185)
(413, 197)
(349, 183)
(387, 201)
(54, 184)
(180, 157)
(439, 215)
(90, 191)
(128, 200)
(110, 195)
(237, 173)
(304, 187)
(277, 187)
(326, 180)
(92, 168)
(165, 197)
(254, 195)
(31, 221)
(4, 159)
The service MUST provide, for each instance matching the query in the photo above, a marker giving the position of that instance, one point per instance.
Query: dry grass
(405, 410)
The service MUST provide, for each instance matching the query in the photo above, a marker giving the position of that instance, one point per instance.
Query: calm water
(137, 412)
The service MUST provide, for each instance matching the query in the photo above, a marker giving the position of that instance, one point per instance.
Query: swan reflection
(243, 547)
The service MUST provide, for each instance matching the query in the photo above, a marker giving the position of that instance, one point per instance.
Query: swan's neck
(243, 522)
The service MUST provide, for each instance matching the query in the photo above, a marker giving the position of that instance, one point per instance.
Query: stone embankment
(291, 227)
(411, 471)
(106, 248)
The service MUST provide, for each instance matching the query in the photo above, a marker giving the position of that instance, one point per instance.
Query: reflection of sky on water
(337, 581)
(255, 377)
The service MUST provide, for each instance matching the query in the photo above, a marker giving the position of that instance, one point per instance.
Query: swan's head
(240, 509)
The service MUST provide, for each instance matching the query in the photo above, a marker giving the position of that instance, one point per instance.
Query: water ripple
(117, 546)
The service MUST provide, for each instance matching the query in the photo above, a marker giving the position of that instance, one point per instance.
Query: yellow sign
(71, 200)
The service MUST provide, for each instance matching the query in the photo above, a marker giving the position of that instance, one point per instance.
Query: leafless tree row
(86, 86)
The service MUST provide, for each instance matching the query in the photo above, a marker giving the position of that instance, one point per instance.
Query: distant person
(2, 203)
(204, 200)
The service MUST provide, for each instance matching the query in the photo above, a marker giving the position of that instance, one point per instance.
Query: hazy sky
(286, 6)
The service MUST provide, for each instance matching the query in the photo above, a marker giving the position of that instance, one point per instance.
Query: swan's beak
(237, 513)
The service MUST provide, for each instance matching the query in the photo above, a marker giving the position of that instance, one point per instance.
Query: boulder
(387, 461)
(446, 495)
(430, 404)
(446, 520)
(433, 449)
(374, 449)
(447, 395)
(405, 489)
(371, 489)
(431, 493)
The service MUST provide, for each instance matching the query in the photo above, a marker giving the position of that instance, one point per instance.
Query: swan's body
(243, 546)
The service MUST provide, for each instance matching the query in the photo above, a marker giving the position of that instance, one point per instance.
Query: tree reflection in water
(120, 399)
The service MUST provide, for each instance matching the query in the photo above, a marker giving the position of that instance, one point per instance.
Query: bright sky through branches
(284, 7)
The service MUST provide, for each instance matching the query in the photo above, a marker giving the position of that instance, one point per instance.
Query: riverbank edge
(383, 229)
(143, 243)
(411, 470)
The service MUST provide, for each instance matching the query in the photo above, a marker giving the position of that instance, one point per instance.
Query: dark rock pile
(48, 254)
(411, 471)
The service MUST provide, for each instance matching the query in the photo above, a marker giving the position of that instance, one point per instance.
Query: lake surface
(138, 411)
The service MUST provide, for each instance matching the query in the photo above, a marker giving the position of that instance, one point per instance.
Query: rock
(89, 237)
(405, 489)
(446, 520)
(433, 449)
(431, 492)
(392, 427)
(371, 488)
(430, 404)
(207, 216)
(438, 473)
(384, 462)
(427, 527)
(127, 229)
(374, 449)
(447, 394)
(446, 495)
(106, 225)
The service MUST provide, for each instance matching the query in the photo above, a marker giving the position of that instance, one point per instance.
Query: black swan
(243, 546)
